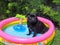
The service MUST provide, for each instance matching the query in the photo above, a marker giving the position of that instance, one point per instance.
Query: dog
(34, 25)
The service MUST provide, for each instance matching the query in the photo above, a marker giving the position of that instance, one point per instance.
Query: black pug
(35, 25)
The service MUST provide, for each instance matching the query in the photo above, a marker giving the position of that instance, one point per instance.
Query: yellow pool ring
(0, 39)
(45, 41)
(49, 38)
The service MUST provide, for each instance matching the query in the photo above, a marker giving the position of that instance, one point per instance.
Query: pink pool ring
(19, 40)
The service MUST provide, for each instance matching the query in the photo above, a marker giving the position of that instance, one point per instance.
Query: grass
(57, 38)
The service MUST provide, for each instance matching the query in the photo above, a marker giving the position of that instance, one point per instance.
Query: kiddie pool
(45, 38)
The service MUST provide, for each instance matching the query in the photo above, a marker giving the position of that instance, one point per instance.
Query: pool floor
(22, 33)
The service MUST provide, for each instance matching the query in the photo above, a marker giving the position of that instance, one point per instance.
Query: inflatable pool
(7, 36)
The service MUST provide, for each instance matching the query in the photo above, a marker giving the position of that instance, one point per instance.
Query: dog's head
(32, 18)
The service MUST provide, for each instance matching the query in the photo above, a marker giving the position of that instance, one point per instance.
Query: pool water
(19, 31)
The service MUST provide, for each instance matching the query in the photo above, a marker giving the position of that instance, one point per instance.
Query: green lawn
(57, 38)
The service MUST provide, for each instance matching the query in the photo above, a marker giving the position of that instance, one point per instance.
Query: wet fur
(35, 25)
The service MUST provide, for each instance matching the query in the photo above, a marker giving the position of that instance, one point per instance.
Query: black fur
(35, 25)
